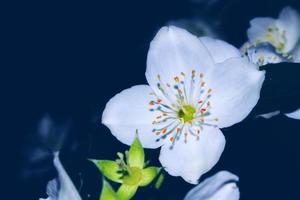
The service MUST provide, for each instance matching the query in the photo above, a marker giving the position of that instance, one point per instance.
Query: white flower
(196, 87)
(221, 186)
(61, 188)
(281, 34)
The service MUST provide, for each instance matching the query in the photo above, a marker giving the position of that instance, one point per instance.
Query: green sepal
(159, 181)
(136, 155)
(148, 175)
(108, 192)
(109, 169)
(126, 192)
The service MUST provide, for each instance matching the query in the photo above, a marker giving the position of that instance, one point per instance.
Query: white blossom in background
(196, 86)
(274, 40)
(221, 186)
(61, 188)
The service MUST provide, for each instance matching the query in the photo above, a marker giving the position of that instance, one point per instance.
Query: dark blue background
(69, 59)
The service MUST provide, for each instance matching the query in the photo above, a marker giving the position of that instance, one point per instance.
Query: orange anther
(176, 78)
(164, 130)
(171, 139)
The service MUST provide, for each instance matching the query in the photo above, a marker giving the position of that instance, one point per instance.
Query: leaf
(148, 175)
(109, 169)
(108, 192)
(136, 155)
(126, 192)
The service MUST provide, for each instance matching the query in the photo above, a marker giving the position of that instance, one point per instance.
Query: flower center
(134, 176)
(184, 109)
(186, 113)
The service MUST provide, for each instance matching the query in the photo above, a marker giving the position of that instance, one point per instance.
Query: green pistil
(186, 113)
(134, 176)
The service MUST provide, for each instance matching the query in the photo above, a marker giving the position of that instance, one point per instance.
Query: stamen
(182, 115)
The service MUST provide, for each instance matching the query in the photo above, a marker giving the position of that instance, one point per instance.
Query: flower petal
(108, 192)
(148, 175)
(221, 186)
(136, 155)
(296, 54)
(294, 115)
(127, 112)
(236, 86)
(258, 28)
(289, 20)
(126, 192)
(173, 51)
(67, 188)
(264, 54)
(192, 159)
(109, 169)
(220, 50)
(269, 115)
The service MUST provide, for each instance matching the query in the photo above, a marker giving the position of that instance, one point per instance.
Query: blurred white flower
(274, 40)
(197, 86)
(221, 186)
(61, 188)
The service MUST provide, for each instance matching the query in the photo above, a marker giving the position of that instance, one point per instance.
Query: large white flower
(282, 35)
(196, 86)
(221, 186)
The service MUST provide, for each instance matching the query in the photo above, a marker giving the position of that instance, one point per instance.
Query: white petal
(296, 54)
(221, 186)
(127, 112)
(289, 20)
(172, 51)
(264, 54)
(61, 188)
(269, 115)
(258, 28)
(236, 89)
(220, 50)
(192, 159)
(294, 115)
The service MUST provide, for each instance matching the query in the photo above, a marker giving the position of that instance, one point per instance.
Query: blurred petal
(296, 54)
(264, 54)
(192, 159)
(148, 175)
(127, 112)
(221, 186)
(236, 86)
(269, 115)
(258, 27)
(52, 190)
(109, 169)
(220, 50)
(173, 51)
(66, 189)
(126, 192)
(136, 155)
(289, 20)
(294, 115)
